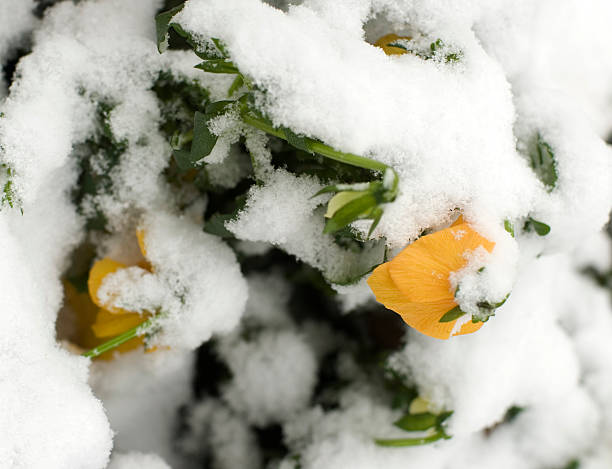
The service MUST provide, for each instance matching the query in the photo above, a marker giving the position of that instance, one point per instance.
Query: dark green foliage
(97, 156)
(162, 24)
(542, 229)
(306, 163)
(512, 413)
(543, 162)
(216, 223)
(8, 196)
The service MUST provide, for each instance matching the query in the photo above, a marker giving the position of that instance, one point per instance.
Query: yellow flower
(416, 285)
(97, 322)
(387, 39)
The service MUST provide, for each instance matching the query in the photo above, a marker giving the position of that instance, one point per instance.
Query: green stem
(316, 146)
(121, 339)
(400, 442)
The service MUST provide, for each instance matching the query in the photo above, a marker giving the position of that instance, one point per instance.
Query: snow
(144, 391)
(136, 460)
(196, 282)
(282, 212)
(456, 133)
(16, 21)
(230, 441)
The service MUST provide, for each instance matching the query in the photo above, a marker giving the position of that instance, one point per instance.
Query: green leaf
(417, 422)
(512, 413)
(543, 162)
(354, 210)
(573, 464)
(376, 215)
(218, 66)
(441, 418)
(298, 141)
(220, 46)
(401, 442)
(340, 200)
(236, 84)
(509, 227)
(203, 139)
(453, 314)
(183, 159)
(216, 223)
(217, 107)
(438, 44)
(542, 229)
(162, 24)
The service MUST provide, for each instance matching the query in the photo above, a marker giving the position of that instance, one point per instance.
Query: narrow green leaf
(220, 46)
(417, 422)
(162, 24)
(401, 442)
(453, 314)
(327, 190)
(298, 141)
(218, 66)
(142, 329)
(203, 139)
(236, 84)
(441, 418)
(376, 215)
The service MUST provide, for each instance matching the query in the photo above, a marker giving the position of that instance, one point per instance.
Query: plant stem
(139, 330)
(400, 442)
(316, 146)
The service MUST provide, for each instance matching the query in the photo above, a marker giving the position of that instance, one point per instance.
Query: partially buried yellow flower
(100, 321)
(416, 284)
(385, 44)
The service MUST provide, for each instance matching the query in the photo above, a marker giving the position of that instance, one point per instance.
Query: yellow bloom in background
(387, 39)
(416, 284)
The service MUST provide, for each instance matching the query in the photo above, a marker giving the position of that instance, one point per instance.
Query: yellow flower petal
(109, 325)
(421, 271)
(424, 317)
(140, 235)
(98, 272)
(388, 39)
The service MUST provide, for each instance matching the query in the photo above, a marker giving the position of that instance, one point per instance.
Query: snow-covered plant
(305, 234)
